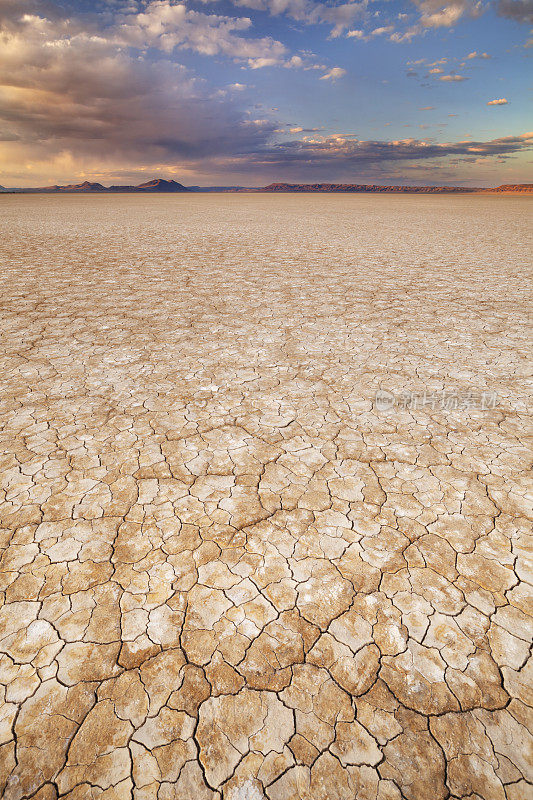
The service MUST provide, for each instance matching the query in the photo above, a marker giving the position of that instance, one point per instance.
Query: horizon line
(164, 185)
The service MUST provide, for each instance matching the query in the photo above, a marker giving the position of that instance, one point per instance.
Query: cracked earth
(225, 573)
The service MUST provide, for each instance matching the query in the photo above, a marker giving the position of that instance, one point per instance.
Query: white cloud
(502, 101)
(333, 74)
(438, 14)
(406, 36)
(453, 78)
(382, 31)
(166, 26)
(340, 16)
(306, 62)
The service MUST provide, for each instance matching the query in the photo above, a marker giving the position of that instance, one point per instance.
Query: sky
(245, 92)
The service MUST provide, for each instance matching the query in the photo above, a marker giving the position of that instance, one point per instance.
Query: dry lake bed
(265, 522)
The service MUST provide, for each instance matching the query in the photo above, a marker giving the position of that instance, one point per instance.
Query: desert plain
(265, 512)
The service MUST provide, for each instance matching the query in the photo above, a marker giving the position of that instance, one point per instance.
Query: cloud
(306, 62)
(428, 108)
(77, 96)
(12, 11)
(340, 15)
(338, 155)
(439, 14)
(475, 54)
(64, 90)
(519, 10)
(502, 101)
(436, 14)
(166, 26)
(366, 37)
(453, 78)
(407, 35)
(333, 74)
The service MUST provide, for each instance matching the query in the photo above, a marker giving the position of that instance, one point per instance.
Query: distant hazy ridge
(158, 185)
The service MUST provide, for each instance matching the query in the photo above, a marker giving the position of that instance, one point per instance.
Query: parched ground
(227, 571)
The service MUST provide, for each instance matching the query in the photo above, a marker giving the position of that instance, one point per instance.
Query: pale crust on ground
(225, 572)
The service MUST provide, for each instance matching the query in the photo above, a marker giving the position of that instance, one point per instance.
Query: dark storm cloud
(519, 10)
(65, 89)
(340, 155)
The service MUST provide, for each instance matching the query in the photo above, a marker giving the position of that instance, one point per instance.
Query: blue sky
(252, 91)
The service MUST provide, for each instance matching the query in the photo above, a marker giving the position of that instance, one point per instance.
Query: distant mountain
(521, 188)
(514, 188)
(155, 185)
(86, 186)
(159, 185)
(362, 188)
